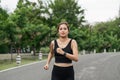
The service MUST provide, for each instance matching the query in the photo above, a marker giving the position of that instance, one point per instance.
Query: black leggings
(62, 73)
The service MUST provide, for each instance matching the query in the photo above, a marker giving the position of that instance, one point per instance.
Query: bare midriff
(63, 64)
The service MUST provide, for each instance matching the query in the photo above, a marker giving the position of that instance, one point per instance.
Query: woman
(65, 51)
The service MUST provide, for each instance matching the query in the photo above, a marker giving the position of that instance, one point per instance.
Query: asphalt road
(89, 67)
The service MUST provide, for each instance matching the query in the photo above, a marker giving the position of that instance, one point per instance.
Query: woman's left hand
(60, 51)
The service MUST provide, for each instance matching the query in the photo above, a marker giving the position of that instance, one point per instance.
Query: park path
(89, 67)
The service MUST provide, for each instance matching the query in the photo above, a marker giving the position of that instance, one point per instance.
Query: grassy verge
(5, 64)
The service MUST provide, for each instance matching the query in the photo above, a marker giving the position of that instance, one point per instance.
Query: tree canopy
(34, 24)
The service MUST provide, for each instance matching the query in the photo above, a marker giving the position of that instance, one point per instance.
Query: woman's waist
(63, 64)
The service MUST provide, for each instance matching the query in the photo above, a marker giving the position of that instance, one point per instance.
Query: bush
(4, 48)
(45, 50)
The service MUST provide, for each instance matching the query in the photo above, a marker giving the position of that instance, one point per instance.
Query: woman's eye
(60, 28)
(65, 28)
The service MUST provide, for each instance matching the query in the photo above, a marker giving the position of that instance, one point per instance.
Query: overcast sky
(95, 10)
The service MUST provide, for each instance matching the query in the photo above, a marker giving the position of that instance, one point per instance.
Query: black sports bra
(60, 58)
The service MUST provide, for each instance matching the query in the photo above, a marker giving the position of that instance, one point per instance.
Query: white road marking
(21, 66)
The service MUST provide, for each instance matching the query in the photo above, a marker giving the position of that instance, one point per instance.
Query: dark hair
(66, 23)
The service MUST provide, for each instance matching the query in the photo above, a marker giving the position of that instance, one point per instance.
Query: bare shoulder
(52, 44)
(74, 41)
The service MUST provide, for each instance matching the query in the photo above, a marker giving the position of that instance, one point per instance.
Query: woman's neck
(63, 39)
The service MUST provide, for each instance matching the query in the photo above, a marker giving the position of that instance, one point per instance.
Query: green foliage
(44, 49)
(3, 18)
(33, 24)
(70, 12)
(4, 48)
(108, 34)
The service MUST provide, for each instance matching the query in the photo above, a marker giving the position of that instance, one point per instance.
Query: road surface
(89, 67)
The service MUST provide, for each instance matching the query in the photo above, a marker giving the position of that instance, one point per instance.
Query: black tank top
(60, 58)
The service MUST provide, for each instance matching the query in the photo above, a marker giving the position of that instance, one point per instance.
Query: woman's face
(63, 30)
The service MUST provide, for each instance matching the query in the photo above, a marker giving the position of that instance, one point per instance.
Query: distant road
(90, 67)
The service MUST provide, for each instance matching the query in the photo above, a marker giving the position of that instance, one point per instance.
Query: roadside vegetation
(34, 24)
(6, 64)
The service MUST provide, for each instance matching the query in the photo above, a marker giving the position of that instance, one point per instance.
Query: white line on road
(21, 66)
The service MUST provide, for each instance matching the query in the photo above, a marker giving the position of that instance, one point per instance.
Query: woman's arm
(50, 55)
(74, 47)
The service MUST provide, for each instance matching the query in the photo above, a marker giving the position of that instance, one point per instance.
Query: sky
(95, 10)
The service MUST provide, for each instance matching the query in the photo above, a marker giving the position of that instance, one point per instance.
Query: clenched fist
(46, 67)
(60, 51)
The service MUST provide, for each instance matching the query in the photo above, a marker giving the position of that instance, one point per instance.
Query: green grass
(5, 64)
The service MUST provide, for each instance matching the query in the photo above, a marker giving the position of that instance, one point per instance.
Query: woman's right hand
(46, 67)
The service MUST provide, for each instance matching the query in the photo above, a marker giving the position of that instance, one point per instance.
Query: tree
(108, 35)
(3, 35)
(31, 23)
(7, 30)
(71, 12)
(3, 18)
